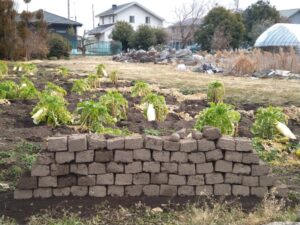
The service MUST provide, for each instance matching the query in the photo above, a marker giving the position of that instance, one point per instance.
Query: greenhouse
(280, 35)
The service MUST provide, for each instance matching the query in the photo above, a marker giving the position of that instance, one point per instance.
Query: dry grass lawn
(240, 90)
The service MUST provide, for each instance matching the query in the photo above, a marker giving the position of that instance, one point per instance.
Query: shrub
(159, 104)
(80, 86)
(26, 154)
(220, 115)
(8, 90)
(265, 122)
(27, 89)
(216, 92)
(243, 65)
(101, 70)
(93, 115)
(3, 69)
(140, 89)
(93, 80)
(161, 36)
(58, 46)
(63, 71)
(123, 32)
(116, 104)
(143, 38)
(114, 76)
(53, 89)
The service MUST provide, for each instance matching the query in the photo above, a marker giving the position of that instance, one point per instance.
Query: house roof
(288, 12)
(100, 29)
(120, 8)
(188, 22)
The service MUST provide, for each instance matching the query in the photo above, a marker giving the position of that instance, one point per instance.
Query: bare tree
(189, 18)
(220, 40)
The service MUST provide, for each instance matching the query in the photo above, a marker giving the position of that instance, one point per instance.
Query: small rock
(182, 133)
(197, 135)
(175, 137)
(157, 209)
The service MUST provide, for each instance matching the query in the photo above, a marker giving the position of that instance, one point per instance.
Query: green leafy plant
(8, 90)
(94, 116)
(152, 132)
(100, 70)
(114, 131)
(53, 89)
(80, 86)
(26, 154)
(26, 68)
(265, 122)
(159, 104)
(51, 109)
(216, 92)
(221, 115)
(63, 71)
(3, 69)
(93, 80)
(116, 104)
(27, 89)
(140, 89)
(114, 77)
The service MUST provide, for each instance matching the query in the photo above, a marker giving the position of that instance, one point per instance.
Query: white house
(133, 13)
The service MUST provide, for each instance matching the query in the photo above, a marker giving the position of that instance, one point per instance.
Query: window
(147, 19)
(102, 20)
(113, 19)
(131, 19)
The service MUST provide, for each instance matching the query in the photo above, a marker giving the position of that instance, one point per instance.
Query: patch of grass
(152, 132)
(189, 90)
(7, 221)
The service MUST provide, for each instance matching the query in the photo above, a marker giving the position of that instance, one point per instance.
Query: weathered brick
(45, 158)
(180, 157)
(27, 182)
(96, 168)
(186, 169)
(42, 193)
(134, 142)
(134, 190)
(40, 170)
(204, 168)
(211, 133)
(198, 157)
(223, 166)
(124, 156)
(154, 143)
(80, 169)
(159, 178)
(168, 190)
(115, 191)
(250, 181)
(206, 145)
(214, 155)
(64, 157)
(222, 189)
(141, 178)
(151, 190)
(142, 154)
(135, 167)
(250, 158)
(96, 142)
(214, 178)
(97, 191)
(205, 190)
(231, 178)
(161, 156)
(259, 191)
(169, 167)
(239, 190)
(59, 170)
(171, 145)
(23, 194)
(177, 179)
(104, 156)
(226, 143)
(79, 191)
(123, 179)
(241, 169)
(243, 145)
(233, 156)
(186, 191)
(151, 167)
(85, 156)
(89, 180)
(66, 181)
(105, 179)
(195, 180)
(260, 170)
(114, 167)
(47, 181)
(266, 181)
(77, 143)
(116, 143)
(188, 145)
(57, 144)
(61, 192)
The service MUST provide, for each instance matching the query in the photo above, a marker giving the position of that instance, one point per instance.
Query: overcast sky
(82, 9)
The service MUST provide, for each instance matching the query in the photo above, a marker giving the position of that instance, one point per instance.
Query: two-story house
(133, 13)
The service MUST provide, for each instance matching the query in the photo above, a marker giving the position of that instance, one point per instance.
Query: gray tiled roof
(288, 13)
(99, 29)
(112, 11)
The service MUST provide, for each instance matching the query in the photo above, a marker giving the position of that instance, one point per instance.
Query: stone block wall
(90, 165)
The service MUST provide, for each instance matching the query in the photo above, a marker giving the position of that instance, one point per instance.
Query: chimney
(114, 7)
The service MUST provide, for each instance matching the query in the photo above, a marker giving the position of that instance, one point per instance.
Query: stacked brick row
(90, 165)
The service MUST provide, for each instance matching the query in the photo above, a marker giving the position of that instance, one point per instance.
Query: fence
(104, 48)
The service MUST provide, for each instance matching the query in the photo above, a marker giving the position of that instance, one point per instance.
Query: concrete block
(23, 194)
(151, 167)
(123, 179)
(45, 158)
(243, 144)
(97, 191)
(116, 143)
(188, 145)
(135, 167)
(169, 167)
(42, 193)
(89, 180)
(105, 179)
(115, 191)
(114, 167)
(67, 181)
(124, 156)
(104, 156)
(204, 168)
(186, 191)
(134, 190)
(59, 170)
(79, 191)
(204, 190)
(211, 133)
(61, 192)
(177, 179)
(214, 178)
(214, 155)
(195, 180)
(250, 158)
(233, 156)
(241, 169)
(142, 155)
(96, 142)
(85, 156)
(57, 144)
(198, 157)
(141, 178)
(134, 142)
(186, 169)
(27, 182)
(161, 156)
(40, 170)
(266, 181)
(47, 182)
(250, 181)
(151, 190)
(205, 145)
(154, 143)
(260, 192)
(96, 168)
(240, 190)
(222, 189)
(168, 190)
(171, 145)
(80, 169)
(64, 157)
(226, 143)
(77, 143)
(231, 178)
(159, 178)
(180, 157)
(260, 170)
(223, 166)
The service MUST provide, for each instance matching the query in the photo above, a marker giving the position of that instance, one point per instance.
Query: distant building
(292, 15)
(133, 13)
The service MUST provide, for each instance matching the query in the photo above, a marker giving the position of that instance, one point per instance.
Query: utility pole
(237, 4)
(68, 9)
(93, 13)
